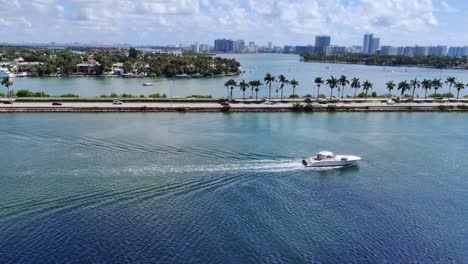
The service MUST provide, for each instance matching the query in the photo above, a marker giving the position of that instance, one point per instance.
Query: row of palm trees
(403, 86)
(256, 84)
(341, 83)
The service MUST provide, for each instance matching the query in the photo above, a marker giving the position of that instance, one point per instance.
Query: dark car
(224, 103)
(8, 102)
(56, 103)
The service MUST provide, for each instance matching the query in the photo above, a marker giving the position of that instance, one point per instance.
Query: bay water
(230, 188)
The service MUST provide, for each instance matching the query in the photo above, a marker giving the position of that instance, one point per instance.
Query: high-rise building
(239, 46)
(438, 51)
(252, 47)
(458, 51)
(205, 48)
(195, 47)
(270, 45)
(321, 43)
(305, 49)
(389, 50)
(375, 45)
(366, 45)
(289, 49)
(421, 51)
(223, 45)
(370, 44)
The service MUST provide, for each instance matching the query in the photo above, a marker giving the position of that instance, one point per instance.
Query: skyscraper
(321, 43)
(223, 45)
(366, 45)
(370, 44)
(239, 46)
(375, 45)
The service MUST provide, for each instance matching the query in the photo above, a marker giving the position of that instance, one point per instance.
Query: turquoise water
(215, 188)
(256, 65)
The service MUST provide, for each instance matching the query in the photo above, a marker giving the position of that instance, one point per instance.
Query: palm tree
(282, 79)
(294, 83)
(459, 86)
(256, 84)
(332, 83)
(436, 84)
(415, 84)
(318, 81)
(269, 79)
(230, 84)
(252, 84)
(7, 83)
(403, 86)
(355, 84)
(390, 86)
(366, 86)
(243, 85)
(426, 85)
(451, 81)
(343, 81)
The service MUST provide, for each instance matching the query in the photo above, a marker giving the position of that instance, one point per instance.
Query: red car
(224, 103)
(56, 103)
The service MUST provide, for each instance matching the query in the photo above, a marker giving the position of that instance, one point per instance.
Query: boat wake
(248, 166)
(257, 166)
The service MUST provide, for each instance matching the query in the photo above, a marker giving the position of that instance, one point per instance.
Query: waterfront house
(117, 68)
(88, 67)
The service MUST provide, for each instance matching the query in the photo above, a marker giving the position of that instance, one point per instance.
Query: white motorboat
(328, 159)
(147, 84)
(4, 72)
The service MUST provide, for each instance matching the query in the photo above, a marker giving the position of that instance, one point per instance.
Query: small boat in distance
(147, 84)
(186, 76)
(328, 159)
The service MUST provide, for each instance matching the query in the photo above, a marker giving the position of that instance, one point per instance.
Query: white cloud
(171, 21)
(445, 6)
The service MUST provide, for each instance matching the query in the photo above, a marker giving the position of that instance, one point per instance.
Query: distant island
(111, 62)
(439, 62)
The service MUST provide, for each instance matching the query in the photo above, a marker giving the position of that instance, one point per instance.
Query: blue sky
(397, 22)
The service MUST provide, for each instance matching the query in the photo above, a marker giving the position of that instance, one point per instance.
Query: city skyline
(283, 22)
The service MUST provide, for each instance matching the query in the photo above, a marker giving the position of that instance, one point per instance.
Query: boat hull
(339, 161)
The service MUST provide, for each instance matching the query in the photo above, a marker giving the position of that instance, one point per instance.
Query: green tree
(459, 86)
(67, 61)
(436, 84)
(283, 81)
(426, 85)
(252, 87)
(128, 66)
(415, 84)
(230, 84)
(256, 84)
(243, 86)
(332, 83)
(355, 84)
(390, 86)
(366, 86)
(403, 86)
(7, 83)
(269, 79)
(318, 81)
(451, 81)
(343, 81)
(294, 84)
(133, 53)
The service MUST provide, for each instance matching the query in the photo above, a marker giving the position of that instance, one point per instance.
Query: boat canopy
(325, 153)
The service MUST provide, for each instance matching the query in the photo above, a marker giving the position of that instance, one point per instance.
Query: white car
(390, 102)
(117, 102)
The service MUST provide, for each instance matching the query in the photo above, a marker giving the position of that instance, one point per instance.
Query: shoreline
(212, 107)
(383, 65)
